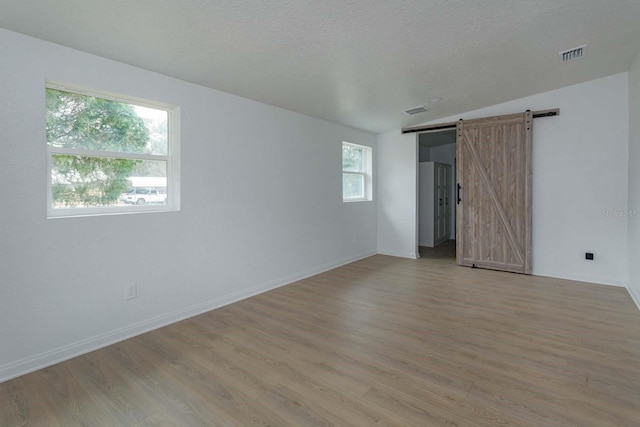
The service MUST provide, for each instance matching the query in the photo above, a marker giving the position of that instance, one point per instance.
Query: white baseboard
(588, 278)
(69, 351)
(634, 297)
(411, 255)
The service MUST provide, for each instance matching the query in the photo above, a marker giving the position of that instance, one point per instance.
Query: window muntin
(356, 172)
(103, 146)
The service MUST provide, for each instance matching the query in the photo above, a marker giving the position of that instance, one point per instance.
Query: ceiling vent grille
(416, 110)
(573, 54)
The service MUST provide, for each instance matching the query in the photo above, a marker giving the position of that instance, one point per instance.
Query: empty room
(320, 213)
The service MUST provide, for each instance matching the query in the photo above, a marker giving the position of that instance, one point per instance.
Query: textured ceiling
(356, 62)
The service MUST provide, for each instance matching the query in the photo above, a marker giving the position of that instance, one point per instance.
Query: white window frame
(172, 158)
(367, 173)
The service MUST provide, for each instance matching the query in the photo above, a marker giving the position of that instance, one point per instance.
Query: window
(109, 154)
(356, 172)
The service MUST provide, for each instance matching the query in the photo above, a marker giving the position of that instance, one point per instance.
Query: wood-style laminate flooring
(445, 249)
(383, 341)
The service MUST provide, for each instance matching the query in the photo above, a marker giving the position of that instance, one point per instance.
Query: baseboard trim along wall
(60, 354)
(634, 297)
(410, 255)
(587, 278)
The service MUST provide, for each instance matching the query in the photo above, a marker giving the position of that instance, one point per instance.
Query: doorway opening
(493, 192)
(437, 194)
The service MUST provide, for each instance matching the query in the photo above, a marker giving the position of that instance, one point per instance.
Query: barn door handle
(459, 188)
(446, 201)
(440, 202)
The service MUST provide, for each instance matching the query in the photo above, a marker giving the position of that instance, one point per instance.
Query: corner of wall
(633, 224)
(634, 297)
(397, 166)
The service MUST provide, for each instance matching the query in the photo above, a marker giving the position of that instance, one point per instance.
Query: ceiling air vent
(573, 54)
(416, 110)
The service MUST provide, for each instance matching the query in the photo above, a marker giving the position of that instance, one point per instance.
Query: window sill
(355, 200)
(83, 213)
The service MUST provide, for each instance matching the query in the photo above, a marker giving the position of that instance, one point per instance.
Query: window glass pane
(352, 158)
(90, 123)
(352, 186)
(83, 182)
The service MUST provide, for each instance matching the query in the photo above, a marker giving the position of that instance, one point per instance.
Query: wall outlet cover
(130, 291)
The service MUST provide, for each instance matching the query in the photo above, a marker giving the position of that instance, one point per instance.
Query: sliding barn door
(494, 207)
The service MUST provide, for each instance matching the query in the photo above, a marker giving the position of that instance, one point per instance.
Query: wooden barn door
(494, 207)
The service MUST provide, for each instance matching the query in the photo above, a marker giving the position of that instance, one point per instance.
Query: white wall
(579, 170)
(443, 154)
(261, 206)
(634, 180)
(424, 153)
(397, 164)
(447, 154)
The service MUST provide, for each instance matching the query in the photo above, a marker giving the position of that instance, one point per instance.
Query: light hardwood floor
(446, 249)
(383, 341)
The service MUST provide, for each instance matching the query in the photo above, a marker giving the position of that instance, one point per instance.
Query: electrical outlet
(130, 291)
(588, 256)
